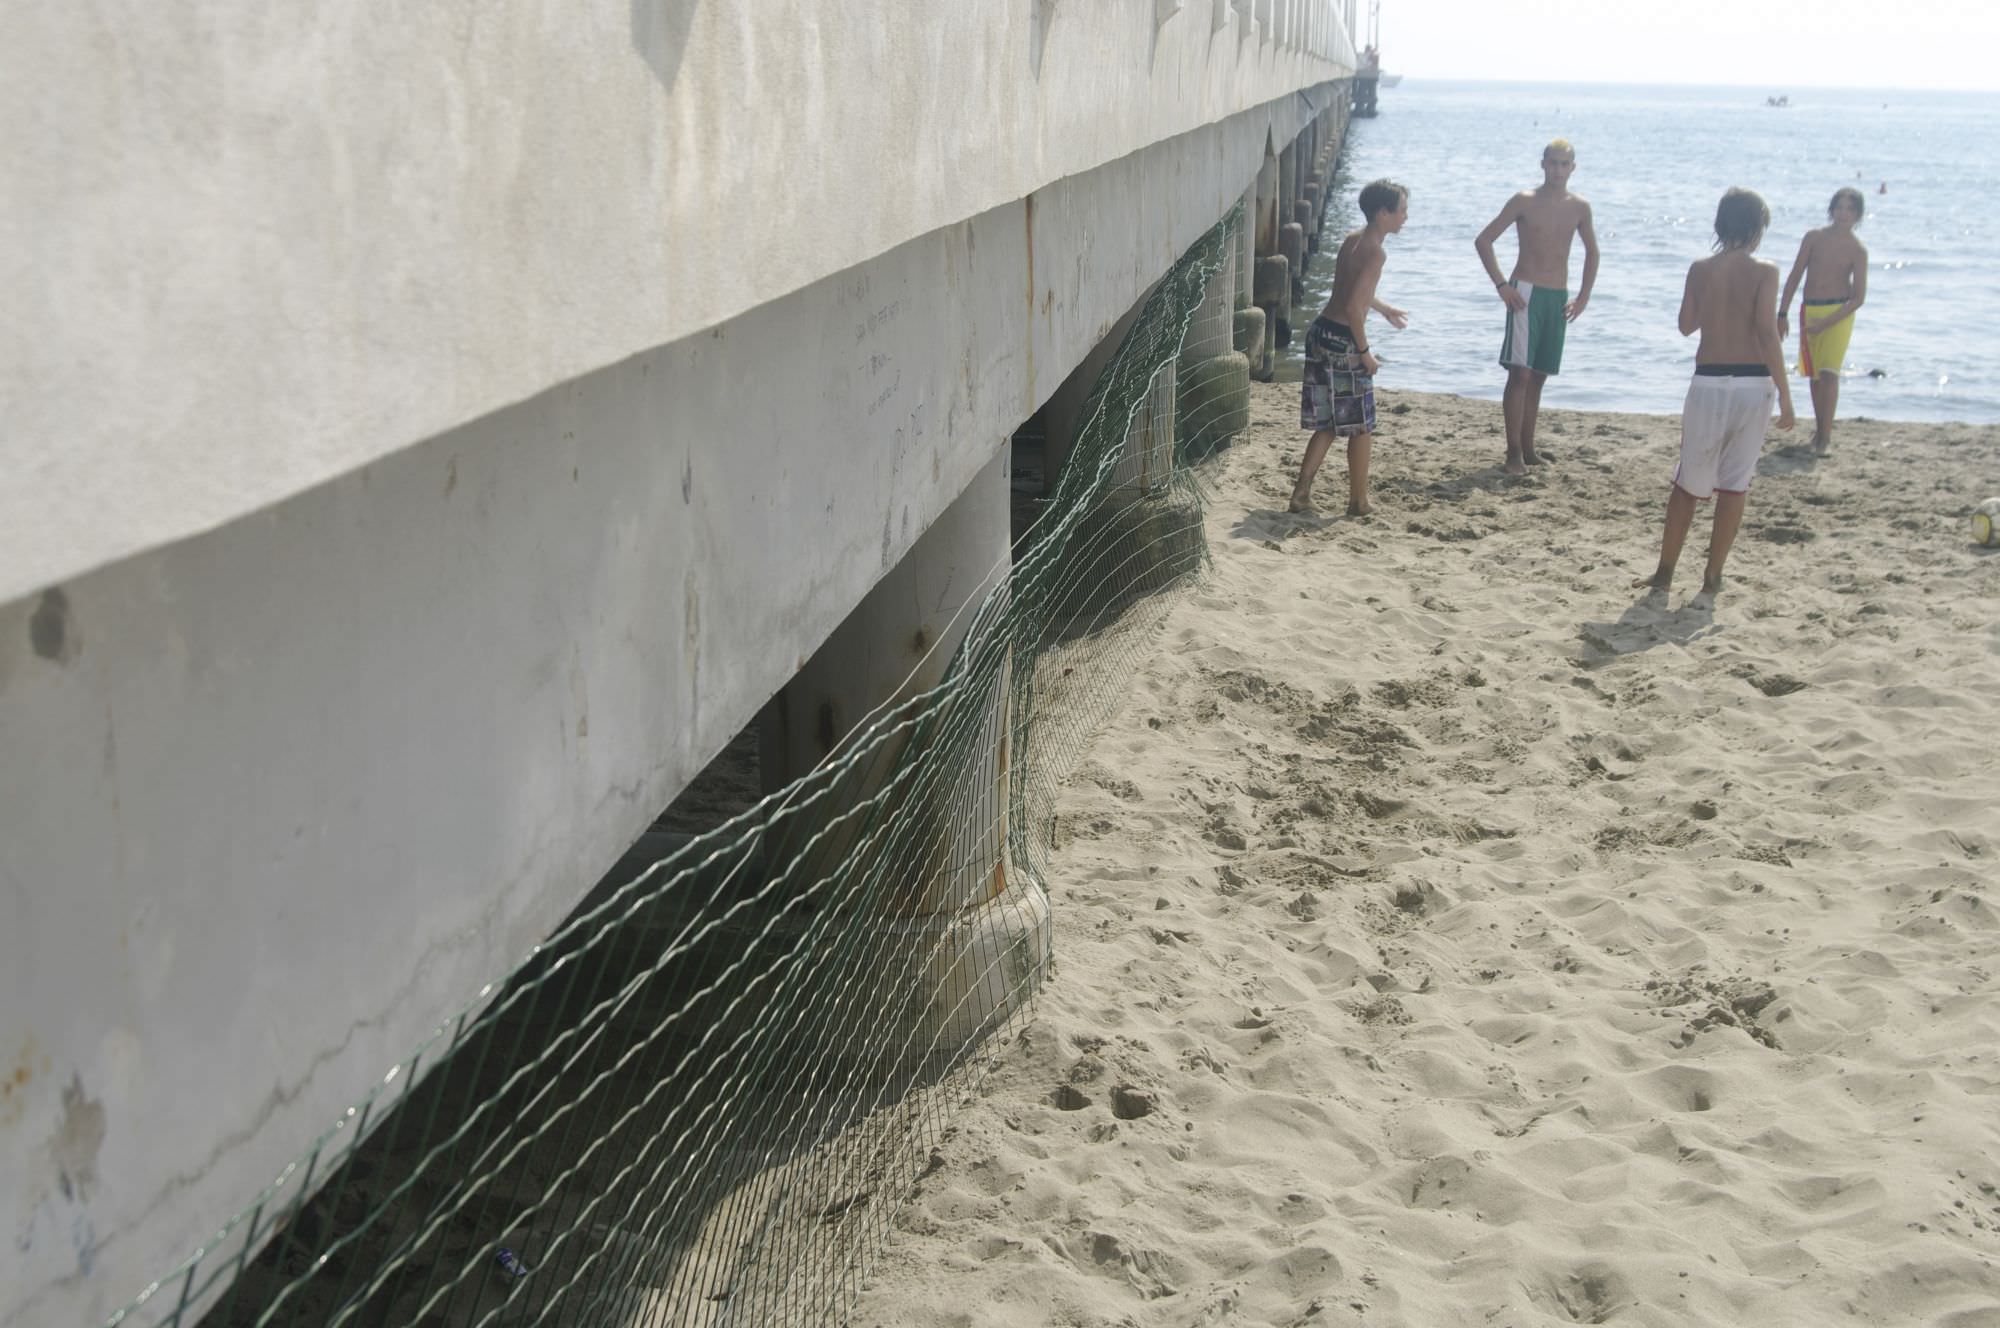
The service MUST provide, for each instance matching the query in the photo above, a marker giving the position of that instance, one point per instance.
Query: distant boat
(1780, 100)
(1388, 80)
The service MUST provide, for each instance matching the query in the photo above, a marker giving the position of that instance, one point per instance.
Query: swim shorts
(1723, 420)
(1534, 336)
(1337, 392)
(1823, 352)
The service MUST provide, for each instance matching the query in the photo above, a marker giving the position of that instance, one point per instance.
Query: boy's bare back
(1732, 299)
(1834, 258)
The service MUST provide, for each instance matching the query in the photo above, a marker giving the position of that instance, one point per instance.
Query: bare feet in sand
(1302, 507)
(1360, 509)
(1514, 465)
(1821, 445)
(1655, 586)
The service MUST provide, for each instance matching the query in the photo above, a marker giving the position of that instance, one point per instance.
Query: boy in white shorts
(1731, 299)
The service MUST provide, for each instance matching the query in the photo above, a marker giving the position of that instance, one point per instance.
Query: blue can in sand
(510, 1263)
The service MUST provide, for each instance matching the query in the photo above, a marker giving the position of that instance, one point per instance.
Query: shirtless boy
(1538, 305)
(1738, 365)
(1835, 267)
(1337, 397)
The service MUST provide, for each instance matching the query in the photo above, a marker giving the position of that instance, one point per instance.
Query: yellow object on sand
(1825, 351)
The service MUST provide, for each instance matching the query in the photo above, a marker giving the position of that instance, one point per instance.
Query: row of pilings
(1288, 203)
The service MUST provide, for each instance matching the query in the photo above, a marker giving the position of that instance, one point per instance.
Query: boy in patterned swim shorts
(1337, 397)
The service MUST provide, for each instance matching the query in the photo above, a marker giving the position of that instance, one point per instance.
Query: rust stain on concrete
(17, 1075)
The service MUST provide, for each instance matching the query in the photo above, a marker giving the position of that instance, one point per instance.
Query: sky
(1766, 44)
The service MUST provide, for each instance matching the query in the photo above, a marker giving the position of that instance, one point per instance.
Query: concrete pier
(428, 446)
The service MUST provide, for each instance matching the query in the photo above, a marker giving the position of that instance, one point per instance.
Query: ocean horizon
(1653, 159)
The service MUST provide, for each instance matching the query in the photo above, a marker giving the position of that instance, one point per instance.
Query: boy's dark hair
(1852, 195)
(1740, 219)
(1381, 196)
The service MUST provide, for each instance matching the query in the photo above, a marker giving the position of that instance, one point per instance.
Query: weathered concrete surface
(1214, 399)
(246, 249)
(1273, 288)
(1249, 333)
(277, 798)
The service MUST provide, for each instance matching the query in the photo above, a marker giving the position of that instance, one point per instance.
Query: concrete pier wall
(425, 450)
(244, 250)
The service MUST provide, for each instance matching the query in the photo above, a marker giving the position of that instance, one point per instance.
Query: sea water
(1653, 161)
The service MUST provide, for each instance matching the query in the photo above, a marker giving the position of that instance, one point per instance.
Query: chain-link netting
(703, 1098)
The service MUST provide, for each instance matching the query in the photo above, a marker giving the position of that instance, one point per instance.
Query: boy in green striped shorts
(1539, 307)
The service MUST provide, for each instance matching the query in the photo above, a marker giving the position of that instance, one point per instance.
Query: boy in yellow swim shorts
(1834, 264)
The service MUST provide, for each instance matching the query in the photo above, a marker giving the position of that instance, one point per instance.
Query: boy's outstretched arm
(1588, 232)
(1689, 306)
(1483, 243)
(1393, 316)
(1772, 344)
(1792, 286)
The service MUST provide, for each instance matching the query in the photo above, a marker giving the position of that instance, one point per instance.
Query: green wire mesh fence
(703, 1098)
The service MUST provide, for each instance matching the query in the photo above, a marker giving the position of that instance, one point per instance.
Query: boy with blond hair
(1539, 309)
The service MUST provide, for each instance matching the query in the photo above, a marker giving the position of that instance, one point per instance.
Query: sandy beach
(1444, 937)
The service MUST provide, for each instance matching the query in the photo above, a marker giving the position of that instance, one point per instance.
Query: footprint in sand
(1377, 806)
(1420, 899)
(1297, 1210)
(1224, 835)
(1775, 684)
(1298, 1273)
(1592, 1293)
